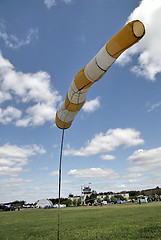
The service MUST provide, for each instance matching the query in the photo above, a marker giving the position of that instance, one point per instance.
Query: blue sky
(114, 141)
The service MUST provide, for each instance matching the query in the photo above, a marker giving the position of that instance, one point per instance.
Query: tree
(134, 194)
(79, 202)
(68, 202)
(106, 198)
(87, 199)
(71, 195)
(92, 197)
(74, 202)
(99, 200)
(114, 199)
(120, 197)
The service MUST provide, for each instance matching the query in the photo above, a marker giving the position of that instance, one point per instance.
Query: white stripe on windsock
(98, 66)
(104, 60)
(77, 96)
(65, 115)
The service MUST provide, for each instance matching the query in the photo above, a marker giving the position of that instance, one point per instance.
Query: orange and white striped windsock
(95, 70)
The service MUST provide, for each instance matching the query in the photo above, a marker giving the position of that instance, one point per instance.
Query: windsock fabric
(95, 70)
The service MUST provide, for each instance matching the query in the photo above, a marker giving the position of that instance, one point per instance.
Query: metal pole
(60, 182)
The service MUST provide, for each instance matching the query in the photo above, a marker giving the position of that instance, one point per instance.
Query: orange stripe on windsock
(125, 38)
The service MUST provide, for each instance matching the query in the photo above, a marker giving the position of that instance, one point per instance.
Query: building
(86, 192)
(124, 194)
(101, 196)
(44, 203)
(72, 197)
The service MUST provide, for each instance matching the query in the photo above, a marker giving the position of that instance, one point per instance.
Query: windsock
(95, 70)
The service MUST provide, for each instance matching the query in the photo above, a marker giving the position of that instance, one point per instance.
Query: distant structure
(44, 203)
(101, 196)
(87, 191)
(74, 197)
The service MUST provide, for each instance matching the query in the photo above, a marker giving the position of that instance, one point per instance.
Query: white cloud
(9, 114)
(145, 160)
(95, 173)
(67, 182)
(4, 96)
(11, 41)
(55, 145)
(12, 182)
(68, 1)
(154, 178)
(13, 158)
(50, 3)
(107, 157)
(148, 49)
(37, 188)
(29, 180)
(91, 106)
(107, 142)
(122, 186)
(33, 90)
(54, 173)
(43, 168)
(10, 171)
(156, 105)
(133, 175)
(134, 181)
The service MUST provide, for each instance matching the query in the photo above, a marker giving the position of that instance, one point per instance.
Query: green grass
(108, 222)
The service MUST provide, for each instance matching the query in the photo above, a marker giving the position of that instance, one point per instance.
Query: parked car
(5, 207)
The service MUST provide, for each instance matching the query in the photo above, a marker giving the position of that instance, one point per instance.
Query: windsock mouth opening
(138, 29)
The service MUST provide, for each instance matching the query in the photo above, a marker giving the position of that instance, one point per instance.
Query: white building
(86, 192)
(102, 196)
(72, 197)
(125, 195)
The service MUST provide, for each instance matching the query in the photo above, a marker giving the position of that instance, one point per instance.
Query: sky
(114, 143)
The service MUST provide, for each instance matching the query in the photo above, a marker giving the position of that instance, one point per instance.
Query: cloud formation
(11, 41)
(154, 106)
(147, 50)
(13, 182)
(145, 160)
(50, 3)
(33, 90)
(54, 173)
(107, 157)
(108, 142)
(43, 168)
(91, 106)
(13, 158)
(95, 173)
(67, 1)
(9, 114)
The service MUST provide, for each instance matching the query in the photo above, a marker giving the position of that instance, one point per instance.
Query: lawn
(126, 221)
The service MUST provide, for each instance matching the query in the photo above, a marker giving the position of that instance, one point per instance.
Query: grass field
(107, 222)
